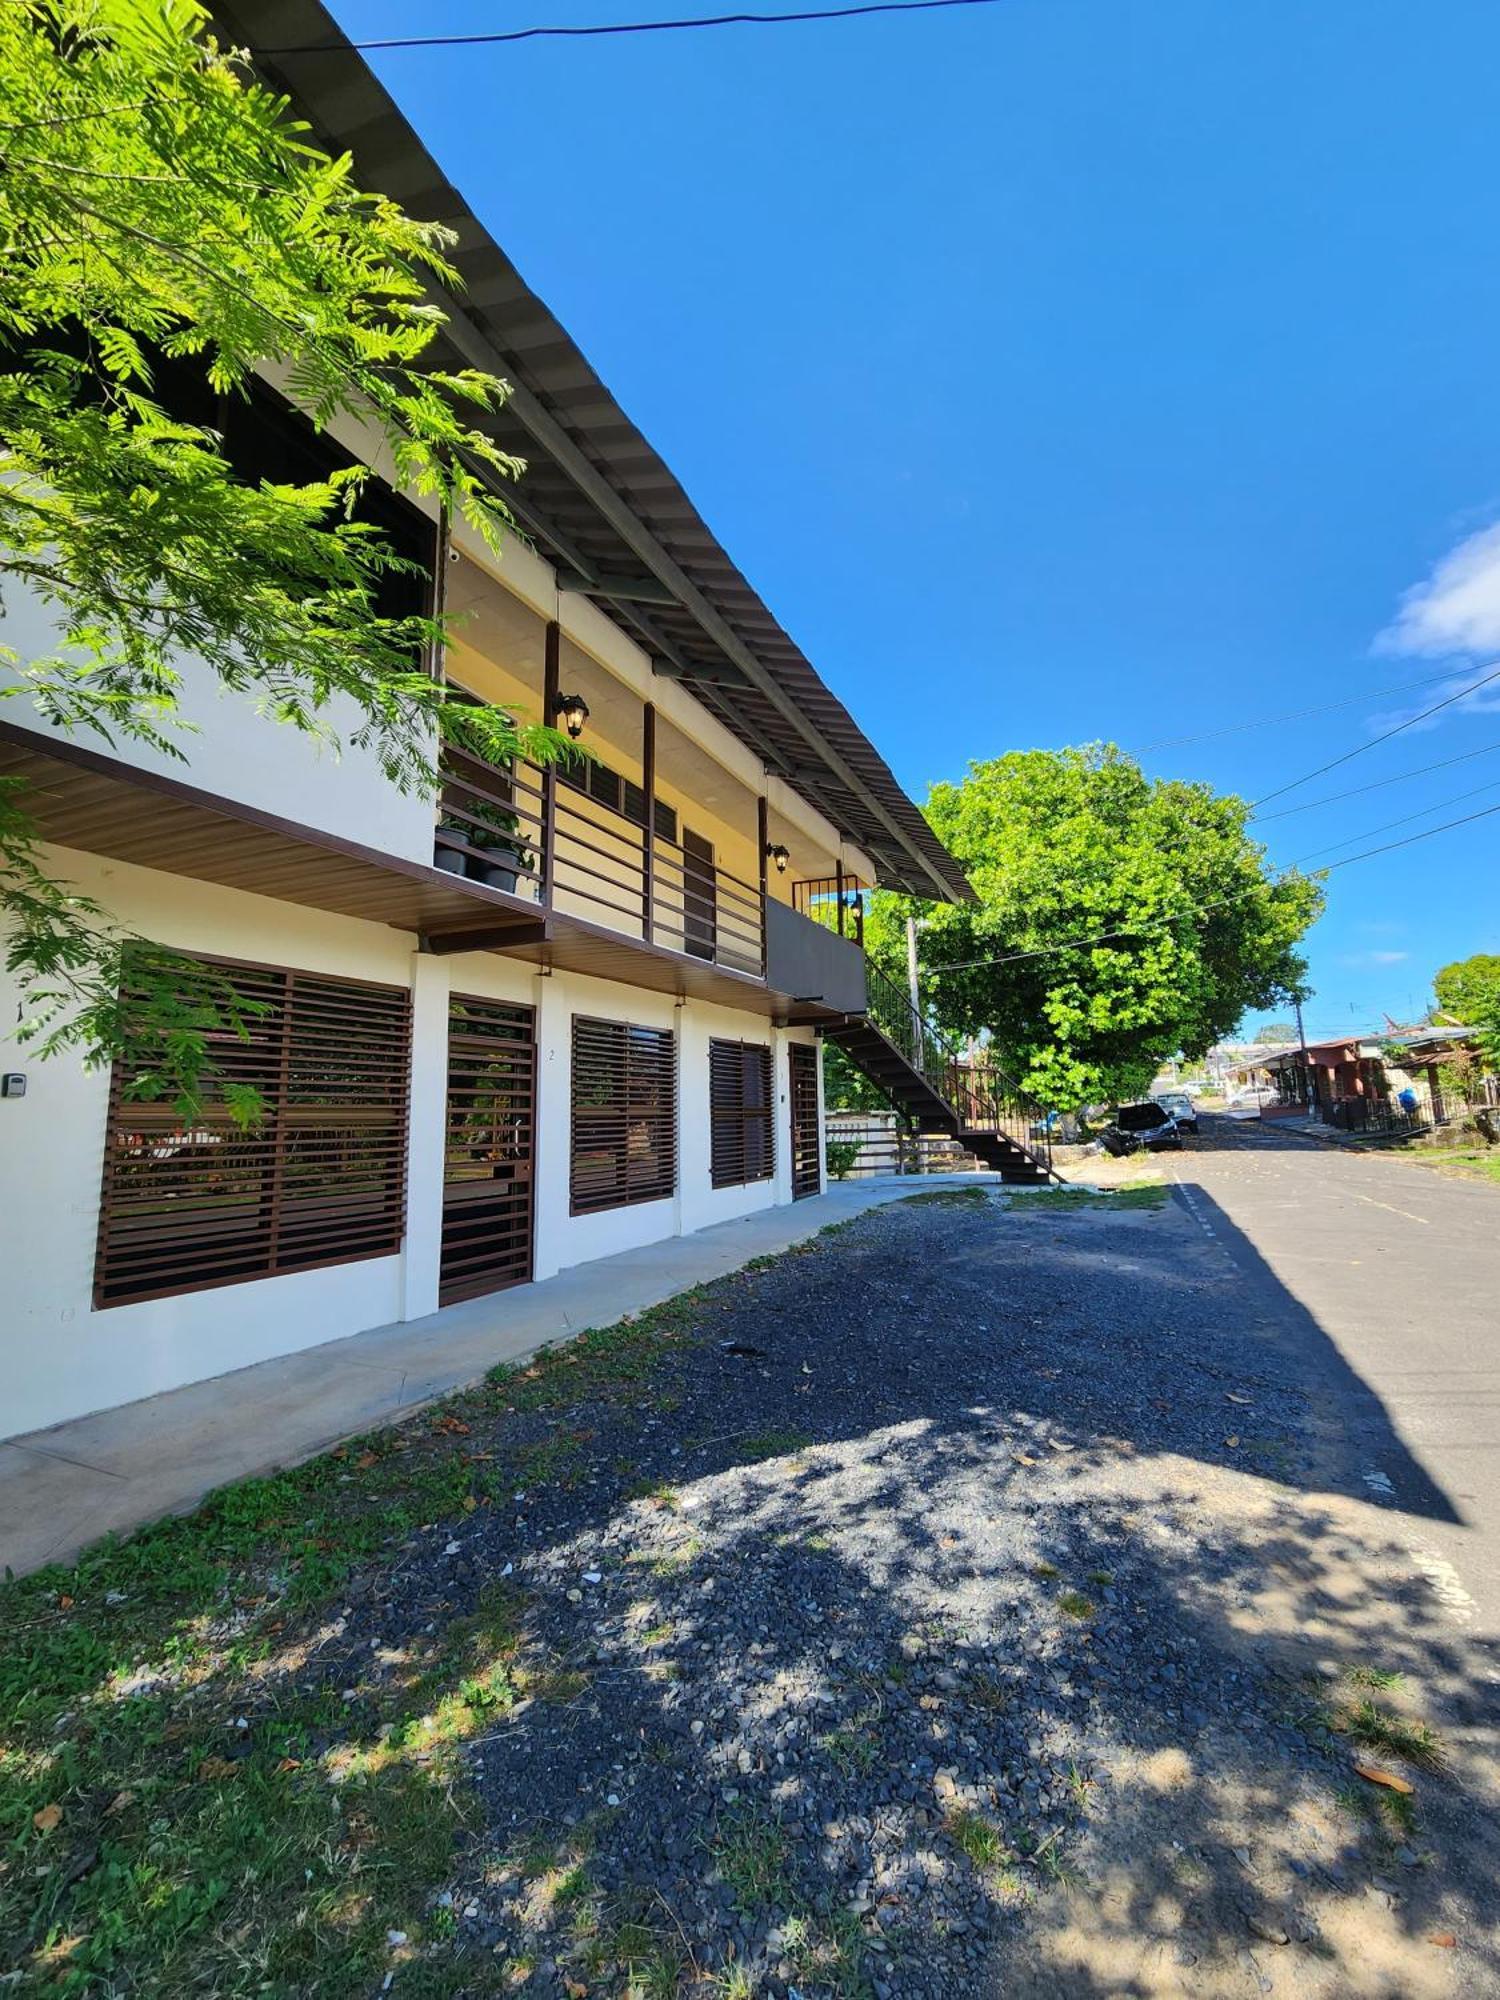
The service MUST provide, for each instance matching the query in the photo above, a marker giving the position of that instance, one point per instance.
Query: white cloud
(1454, 614)
(1366, 961)
(1457, 610)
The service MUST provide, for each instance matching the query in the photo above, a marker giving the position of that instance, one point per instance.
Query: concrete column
(426, 1135)
(553, 1133)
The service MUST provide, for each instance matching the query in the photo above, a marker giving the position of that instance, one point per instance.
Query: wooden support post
(838, 884)
(762, 841)
(648, 850)
(551, 682)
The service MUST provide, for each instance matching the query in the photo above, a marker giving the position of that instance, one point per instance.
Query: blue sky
(1060, 370)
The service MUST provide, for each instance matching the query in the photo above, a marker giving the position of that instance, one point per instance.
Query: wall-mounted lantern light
(572, 713)
(780, 855)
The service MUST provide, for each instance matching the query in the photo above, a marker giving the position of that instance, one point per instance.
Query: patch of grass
(659, 1492)
(1045, 1571)
(989, 1691)
(1101, 1578)
(853, 1749)
(749, 1850)
(1378, 1678)
(735, 1983)
(1394, 1812)
(1064, 1200)
(1073, 1604)
(951, 1197)
(770, 1444)
(1479, 1163)
(827, 1952)
(977, 1837)
(1378, 1728)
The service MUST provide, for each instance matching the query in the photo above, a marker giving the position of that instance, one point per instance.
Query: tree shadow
(977, 1602)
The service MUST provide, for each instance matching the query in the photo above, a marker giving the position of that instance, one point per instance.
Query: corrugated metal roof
(596, 498)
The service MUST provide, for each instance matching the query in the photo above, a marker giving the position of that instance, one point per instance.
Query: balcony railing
(524, 831)
(837, 902)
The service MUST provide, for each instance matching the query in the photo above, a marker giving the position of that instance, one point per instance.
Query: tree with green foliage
(1185, 926)
(1468, 989)
(160, 211)
(1275, 1034)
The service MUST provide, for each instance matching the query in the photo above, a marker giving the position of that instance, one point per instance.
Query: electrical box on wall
(13, 1084)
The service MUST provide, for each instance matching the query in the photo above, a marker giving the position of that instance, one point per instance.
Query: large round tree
(1187, 926)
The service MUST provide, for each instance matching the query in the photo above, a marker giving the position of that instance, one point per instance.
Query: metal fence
(888, 1147)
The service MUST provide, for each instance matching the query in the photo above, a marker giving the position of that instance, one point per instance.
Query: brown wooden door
(700, 893)
(488, 1164)
(806, 1167)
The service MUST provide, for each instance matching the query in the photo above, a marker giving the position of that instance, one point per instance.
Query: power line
(582, 32)
(1201, 909)
(1379, 783)
(1405, 820)
(1290, 715)
(1385, 737)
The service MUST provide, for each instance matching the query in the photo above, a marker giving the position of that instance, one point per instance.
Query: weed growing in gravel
(827, 1952)
(1379, 1728)
(1073, 1604)
(1373, 1677)
(1394, 1812)
(1373, 1727)
(770, 1444)
(1045, 1571)
(986, 1690)
(977, 1837)
(1064, 1200)
(853, 1749)
(749, 1850)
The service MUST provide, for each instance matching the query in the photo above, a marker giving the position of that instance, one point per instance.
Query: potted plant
(486, 830)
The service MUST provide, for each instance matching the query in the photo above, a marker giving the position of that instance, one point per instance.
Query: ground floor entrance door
(804, 1095)
(487, 1168)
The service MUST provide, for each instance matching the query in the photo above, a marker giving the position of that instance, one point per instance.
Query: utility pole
(912, 982)
(1307, 1089)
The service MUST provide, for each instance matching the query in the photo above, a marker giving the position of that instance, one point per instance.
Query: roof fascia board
(529, 413)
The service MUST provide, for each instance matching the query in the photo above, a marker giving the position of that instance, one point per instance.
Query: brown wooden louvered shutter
(624, 1137)
(739, 1113)
(320, 1180)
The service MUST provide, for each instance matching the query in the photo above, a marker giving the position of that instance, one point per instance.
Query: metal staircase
(925, 1076)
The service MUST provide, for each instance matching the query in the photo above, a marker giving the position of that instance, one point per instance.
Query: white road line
(1424, 1220)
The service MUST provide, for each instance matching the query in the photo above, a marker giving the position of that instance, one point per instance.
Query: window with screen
(624, 1137)
(320, 1179)
(739, 1111)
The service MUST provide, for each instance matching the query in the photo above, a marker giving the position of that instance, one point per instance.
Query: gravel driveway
(972, 1603)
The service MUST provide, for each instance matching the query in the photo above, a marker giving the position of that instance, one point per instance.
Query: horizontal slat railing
(490, 824)
(492, 828)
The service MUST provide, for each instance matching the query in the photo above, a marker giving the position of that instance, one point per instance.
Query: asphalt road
(1388, 1274)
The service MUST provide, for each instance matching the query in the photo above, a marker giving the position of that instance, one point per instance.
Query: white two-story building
(556, 1015)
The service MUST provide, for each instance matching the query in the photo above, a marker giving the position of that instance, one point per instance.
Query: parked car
(1137, 1127)
(1181, 1107)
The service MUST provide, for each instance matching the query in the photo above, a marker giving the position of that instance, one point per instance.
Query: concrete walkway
(62, 1488)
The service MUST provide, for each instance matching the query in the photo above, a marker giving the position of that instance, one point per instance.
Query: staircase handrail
(981, 1096)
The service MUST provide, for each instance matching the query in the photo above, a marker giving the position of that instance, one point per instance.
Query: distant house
(1362, 1083)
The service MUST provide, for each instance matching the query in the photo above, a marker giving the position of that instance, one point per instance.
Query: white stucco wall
(60, 1358)
(236, 753)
